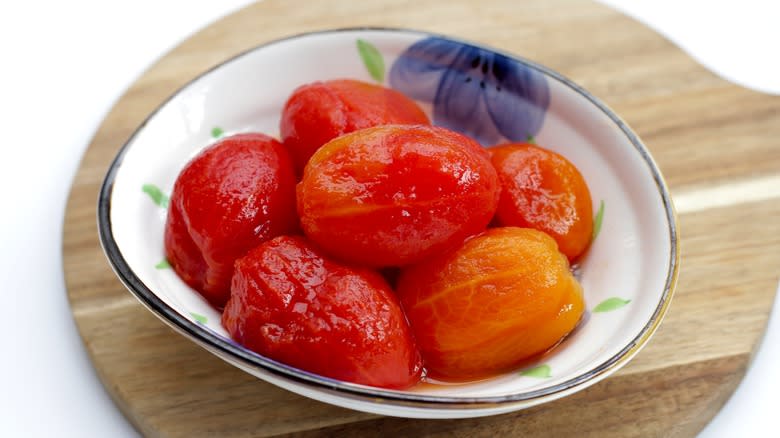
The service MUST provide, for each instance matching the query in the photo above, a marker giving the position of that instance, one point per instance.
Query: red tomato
(231, 197)
(396, 194)
(294, 305)
(543, 190)
(319, 112)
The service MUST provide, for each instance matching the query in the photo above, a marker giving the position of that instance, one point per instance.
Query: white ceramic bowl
(628, 274)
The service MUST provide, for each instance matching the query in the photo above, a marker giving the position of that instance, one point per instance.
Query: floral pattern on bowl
(478, 92)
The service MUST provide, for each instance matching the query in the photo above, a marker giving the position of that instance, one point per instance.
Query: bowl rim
(242, 357)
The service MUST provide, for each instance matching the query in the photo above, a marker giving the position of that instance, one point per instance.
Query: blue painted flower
(474, 91)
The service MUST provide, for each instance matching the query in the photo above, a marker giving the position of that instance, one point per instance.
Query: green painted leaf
(530, 139)
(200, 318)
(372, 59)
(217, 132)
(597, 220)
(154, 192)
(163, 264)
(540, 372)
(610, 304)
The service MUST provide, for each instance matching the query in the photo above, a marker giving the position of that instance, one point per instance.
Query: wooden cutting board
(716, 143)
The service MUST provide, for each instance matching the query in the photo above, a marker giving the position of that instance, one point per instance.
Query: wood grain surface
(716, 143)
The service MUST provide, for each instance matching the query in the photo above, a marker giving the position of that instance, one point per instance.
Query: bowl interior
(627, 274)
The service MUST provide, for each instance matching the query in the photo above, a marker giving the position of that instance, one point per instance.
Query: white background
(63, 66)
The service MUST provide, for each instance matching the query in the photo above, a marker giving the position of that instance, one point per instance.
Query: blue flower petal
(460, 103)
(477, 92)
(517, 98)
(419, 69)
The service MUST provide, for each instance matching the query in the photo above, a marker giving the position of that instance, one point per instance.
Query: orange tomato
(502, 297)
(543, 190)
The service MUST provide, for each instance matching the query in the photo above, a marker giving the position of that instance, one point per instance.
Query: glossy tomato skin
(396, 194)
(543, 190)
(291, 303)
(321, 111)
(502, 297)
(231, 197)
